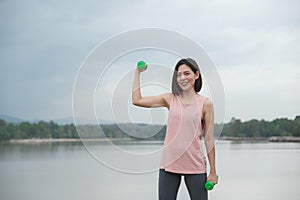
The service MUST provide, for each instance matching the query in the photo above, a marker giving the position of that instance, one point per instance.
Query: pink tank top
(182, 150)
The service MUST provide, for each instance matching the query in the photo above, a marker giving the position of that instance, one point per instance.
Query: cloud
(44, 43)
(261, 93)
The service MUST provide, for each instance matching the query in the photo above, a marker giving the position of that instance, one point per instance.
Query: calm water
(249, 171)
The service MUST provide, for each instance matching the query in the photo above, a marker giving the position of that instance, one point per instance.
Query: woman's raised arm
(162, 100)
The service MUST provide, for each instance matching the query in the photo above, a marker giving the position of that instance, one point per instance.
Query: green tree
(235, 128)
(25, 130)
(4, 134)
(296, 126)
(43, 130)
(251, 128)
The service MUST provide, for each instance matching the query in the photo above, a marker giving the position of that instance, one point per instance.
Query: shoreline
(49, 140)
(269, 139)
(117, 140)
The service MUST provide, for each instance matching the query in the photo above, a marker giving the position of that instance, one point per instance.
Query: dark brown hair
(192, 64)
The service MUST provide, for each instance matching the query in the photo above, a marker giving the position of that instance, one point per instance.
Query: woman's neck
(188, 96)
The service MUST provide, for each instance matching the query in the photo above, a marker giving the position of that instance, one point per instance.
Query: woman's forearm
(211, 159)
(136, 91)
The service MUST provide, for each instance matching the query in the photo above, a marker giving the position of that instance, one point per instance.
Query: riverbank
(269, 139)
(122, 140)
(284, 139)
(48, 140)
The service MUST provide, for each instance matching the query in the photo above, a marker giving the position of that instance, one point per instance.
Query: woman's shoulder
(206, 101)
(207, 105)
(203, 98)
(167, 96)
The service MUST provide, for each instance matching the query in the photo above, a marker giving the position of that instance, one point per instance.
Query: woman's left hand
(213, 178)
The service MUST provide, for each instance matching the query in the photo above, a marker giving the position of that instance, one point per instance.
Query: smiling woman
(190, 70)
(189, 114)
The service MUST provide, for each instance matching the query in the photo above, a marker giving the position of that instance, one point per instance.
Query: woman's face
(186, 77)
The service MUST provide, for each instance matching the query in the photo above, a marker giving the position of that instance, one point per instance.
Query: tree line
(42, 129)
(261, 128)
(235, 128)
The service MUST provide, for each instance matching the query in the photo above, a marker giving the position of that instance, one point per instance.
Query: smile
(183, 83)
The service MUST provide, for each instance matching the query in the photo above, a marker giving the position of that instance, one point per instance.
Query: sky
(255, 46)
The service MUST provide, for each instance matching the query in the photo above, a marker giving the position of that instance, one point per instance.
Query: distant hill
(11, 119)
(60, 121)
(81, 121)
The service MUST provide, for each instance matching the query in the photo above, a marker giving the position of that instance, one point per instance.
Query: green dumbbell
(209, 185)
(141, 65)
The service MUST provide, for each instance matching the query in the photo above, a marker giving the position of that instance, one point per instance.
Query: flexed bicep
(153, 101)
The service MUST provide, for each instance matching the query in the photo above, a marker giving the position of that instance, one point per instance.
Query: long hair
(192, 64)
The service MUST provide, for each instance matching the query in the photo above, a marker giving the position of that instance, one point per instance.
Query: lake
(57, 170)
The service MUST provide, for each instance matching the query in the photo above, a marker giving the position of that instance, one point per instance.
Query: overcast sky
(255, 45)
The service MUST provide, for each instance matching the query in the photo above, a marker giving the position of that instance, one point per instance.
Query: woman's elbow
(136, 102)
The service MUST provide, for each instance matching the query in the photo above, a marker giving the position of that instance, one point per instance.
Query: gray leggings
(168, 185)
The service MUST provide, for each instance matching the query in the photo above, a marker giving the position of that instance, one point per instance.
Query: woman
(189, 115)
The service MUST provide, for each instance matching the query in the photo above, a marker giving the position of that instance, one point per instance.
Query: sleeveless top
(182, 151)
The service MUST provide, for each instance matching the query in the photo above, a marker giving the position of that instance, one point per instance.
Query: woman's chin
(185, 89)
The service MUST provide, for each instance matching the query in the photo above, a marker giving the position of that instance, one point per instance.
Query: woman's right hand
(141, 70)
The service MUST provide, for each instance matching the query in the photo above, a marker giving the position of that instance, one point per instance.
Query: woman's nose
(182, 77)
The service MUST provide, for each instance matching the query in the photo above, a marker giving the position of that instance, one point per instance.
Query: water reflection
(66, 171)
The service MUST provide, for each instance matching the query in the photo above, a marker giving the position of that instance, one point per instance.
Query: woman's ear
(197, 75)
